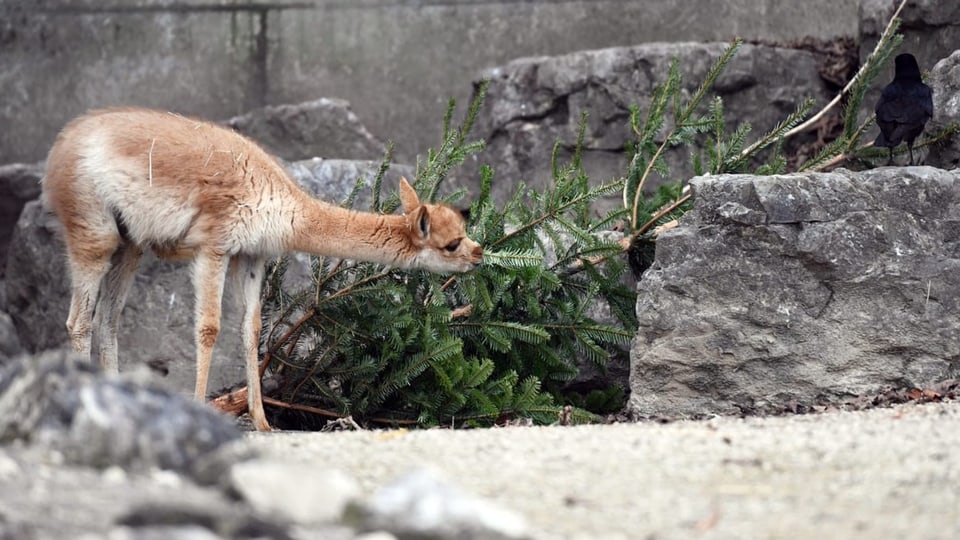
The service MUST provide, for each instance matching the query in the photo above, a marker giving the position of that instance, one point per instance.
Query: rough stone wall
(396, 61)
(532, 103)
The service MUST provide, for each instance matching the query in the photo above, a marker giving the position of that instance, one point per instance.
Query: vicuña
(123, 181)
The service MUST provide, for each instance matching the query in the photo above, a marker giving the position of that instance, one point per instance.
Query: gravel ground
(876, 474)
(881, 473)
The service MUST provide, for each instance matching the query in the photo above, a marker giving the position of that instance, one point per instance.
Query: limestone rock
(801, 288)
(534, 102)
(325, 128)
(945, 81)
(19, 184)
(64, 403)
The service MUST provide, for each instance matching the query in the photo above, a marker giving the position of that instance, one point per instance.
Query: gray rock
(945, 81)
(49, 499)
(322, 128)
(61, 402)
(9, 340)
(422, 505)
(19, 184)
(847, 285)
(293, 492)
(534, 102)
(334, 179)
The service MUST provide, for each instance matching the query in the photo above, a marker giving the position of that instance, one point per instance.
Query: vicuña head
(123, 181)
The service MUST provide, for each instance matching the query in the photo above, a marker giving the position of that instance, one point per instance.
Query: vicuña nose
(477, 255)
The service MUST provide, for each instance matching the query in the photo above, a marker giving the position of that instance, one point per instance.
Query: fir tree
(494, 345)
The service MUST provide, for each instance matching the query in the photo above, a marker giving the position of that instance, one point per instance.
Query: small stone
(296, 492)
(9, 468)
(423, 505)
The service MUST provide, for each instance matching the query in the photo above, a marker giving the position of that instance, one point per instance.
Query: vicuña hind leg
(209, 272)
(249, 277)
(89, 260)
(113, 295)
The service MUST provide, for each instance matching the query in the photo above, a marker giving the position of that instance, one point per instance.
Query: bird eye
(452, 246)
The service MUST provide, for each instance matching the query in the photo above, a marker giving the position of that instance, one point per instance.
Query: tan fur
(123, 181)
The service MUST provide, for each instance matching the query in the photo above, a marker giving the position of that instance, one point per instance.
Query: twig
(643, 180)
(662, 212)
(331, 414)
(268, 356)
(446, 284)
(234, 403)
(838, 159)
(302, 408)
(462, 311)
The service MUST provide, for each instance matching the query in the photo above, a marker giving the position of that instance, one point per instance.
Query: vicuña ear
(423, 222)
(408, 197)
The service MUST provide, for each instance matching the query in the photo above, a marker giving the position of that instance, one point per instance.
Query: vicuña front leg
(209, 272)
(250, 277)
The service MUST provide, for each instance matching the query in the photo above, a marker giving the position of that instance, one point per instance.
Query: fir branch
(378, 178)
(514, 259)
(590, 196)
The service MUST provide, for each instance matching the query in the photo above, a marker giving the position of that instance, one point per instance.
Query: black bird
(904, 107)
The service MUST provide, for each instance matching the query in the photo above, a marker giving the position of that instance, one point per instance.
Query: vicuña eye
(452, 246)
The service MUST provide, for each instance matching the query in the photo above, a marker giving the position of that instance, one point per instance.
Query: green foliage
(493, 345)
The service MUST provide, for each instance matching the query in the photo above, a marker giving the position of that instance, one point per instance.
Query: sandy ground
(882, 473)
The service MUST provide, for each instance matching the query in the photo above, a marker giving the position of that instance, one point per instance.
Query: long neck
(324, 229)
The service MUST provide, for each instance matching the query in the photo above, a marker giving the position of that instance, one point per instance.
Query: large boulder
(157, 322)
(19, 184)
(945, 81)
(532, 103)
(801, 288)
(324, 127)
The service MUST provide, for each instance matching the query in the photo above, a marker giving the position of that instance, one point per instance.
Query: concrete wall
(396, 61)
